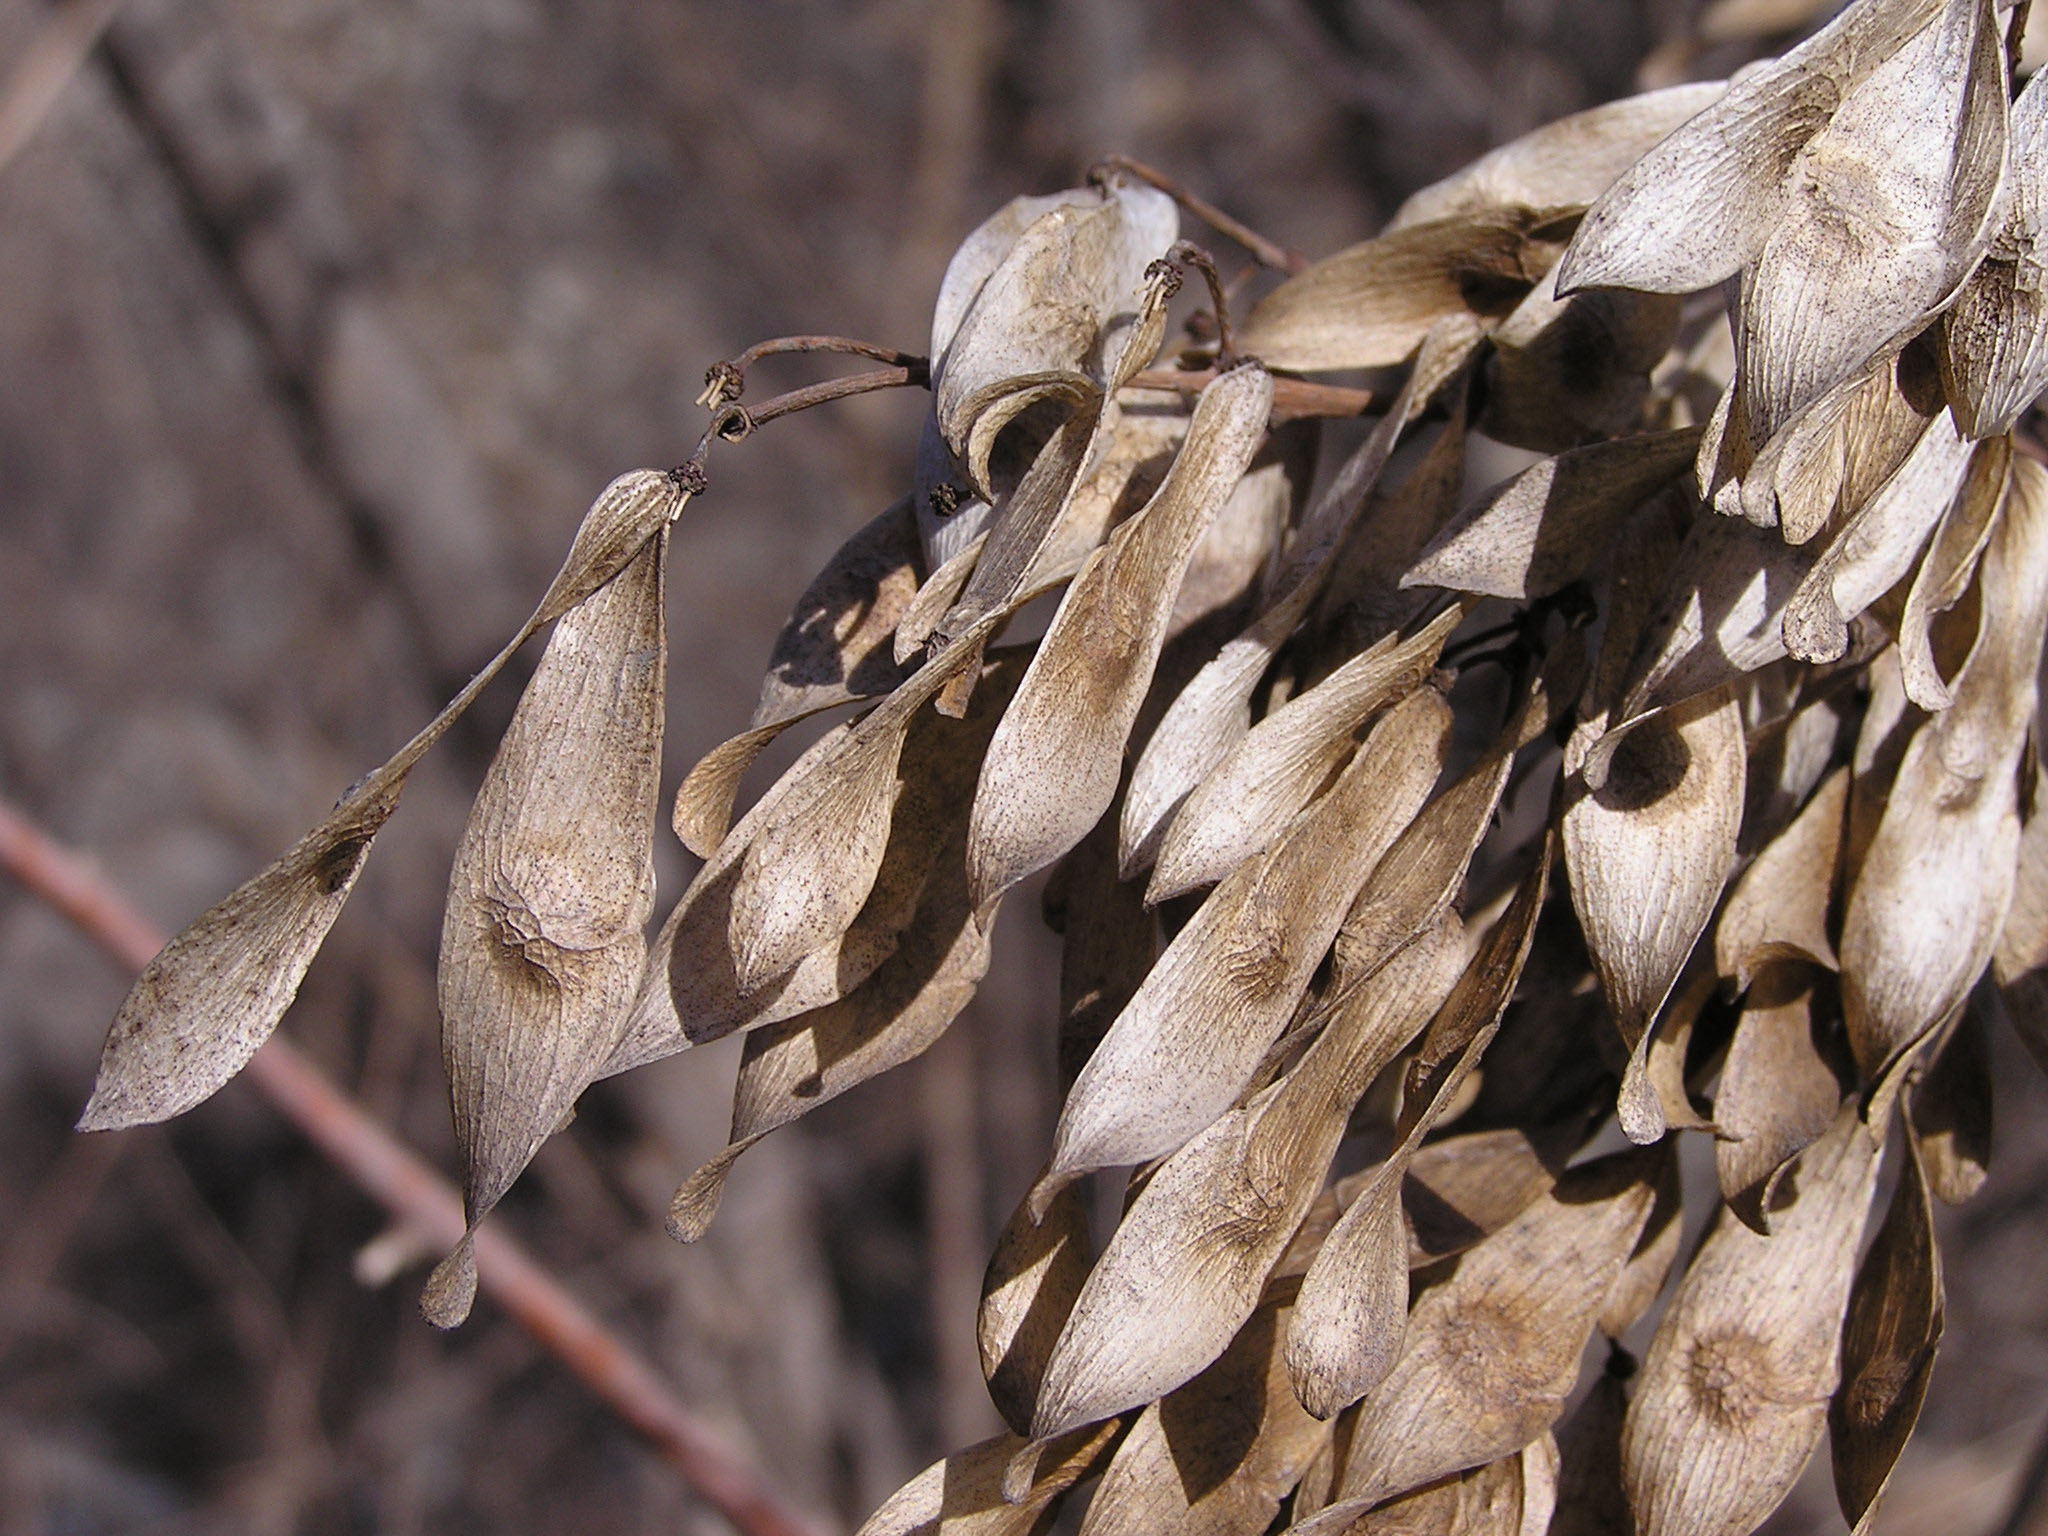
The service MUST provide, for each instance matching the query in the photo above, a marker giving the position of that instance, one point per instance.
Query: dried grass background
(320, 323)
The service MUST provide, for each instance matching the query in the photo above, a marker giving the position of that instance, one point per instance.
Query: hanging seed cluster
(1407, 829)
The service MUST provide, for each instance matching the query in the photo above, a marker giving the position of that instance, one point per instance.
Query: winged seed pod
(543, 940)
(1931, 895)
(1224, 989)
(1186, 1266)
(201, 1008)
(1851, 184)
(1053, 767)
(1298, 748)
(1647, 854)
(1734, 1392)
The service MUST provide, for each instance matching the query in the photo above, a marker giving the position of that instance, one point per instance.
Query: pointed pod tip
(105, 1112)
(1638, 1109)
(450, 1290)
(696, 1203)
(1314, 1387)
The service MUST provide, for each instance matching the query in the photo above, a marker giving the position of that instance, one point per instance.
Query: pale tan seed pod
(1647, 855)
(1371, 306)
(1191, 1039)
(1217, 1456)
(1733, 1394)
(1056, 759)
(1931, 895)
(964, 1494)
(1889, 1337)
(1190, 1259)
(1565, 164)
(543, 939)
(215, 993)
(1995, 339)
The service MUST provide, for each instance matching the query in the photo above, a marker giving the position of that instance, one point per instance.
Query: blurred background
(321, 321)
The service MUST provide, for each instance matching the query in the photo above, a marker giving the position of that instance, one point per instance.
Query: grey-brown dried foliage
(1405, 833)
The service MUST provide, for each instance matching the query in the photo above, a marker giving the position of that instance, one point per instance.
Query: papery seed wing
(1039, 318)
(1238, 546)
(791, 1067)
(1931, 895)
(1214, 709)
(1346, 1328)
(1226, 986)
(1371, 306)
(1275, 770)
(1719, 617)
(1492, 1352)
(1053, 767)
(693, 989)
(1733, 1394)
(1826, 463)
(1541, 530)
(1779, 908)
(1780, 1089)
(1510, 1497)
(1888, 1341)
(1947, 569)
(1701, 204)
(543, 940)
(1214, 1457)
(1186, 1267)
(213, 995)
(1565, 164)
(1888, 215)
(1040, 1262)
(1648, 852)
(963, 1495)
(1878, 546)
(1995, 339)
(806, 874)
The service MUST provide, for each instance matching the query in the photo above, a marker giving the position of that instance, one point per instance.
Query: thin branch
(1292, 398)
(726, 381)
(420, 1198)
(1269, 252)
(56, 55)
(1219, 301)
(738, 421)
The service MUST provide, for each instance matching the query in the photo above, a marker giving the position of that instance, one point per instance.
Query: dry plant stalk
(1686, 778)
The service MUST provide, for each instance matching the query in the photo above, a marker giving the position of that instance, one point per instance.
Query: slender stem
(725, 382)
(1292, 398)
(417, 1196)
(737, 421)
(1269, 252)
(1219, 302)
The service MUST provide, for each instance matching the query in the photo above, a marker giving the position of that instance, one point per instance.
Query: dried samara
(1397, 825)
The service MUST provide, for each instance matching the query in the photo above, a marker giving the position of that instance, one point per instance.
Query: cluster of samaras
(1693, 759)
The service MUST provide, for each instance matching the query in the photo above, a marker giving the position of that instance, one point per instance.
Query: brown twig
(58, 52)
(1269, 252)
(737, 421)
(419, 1197)
(726, 381)
(1219, 301)
(1292, 398)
